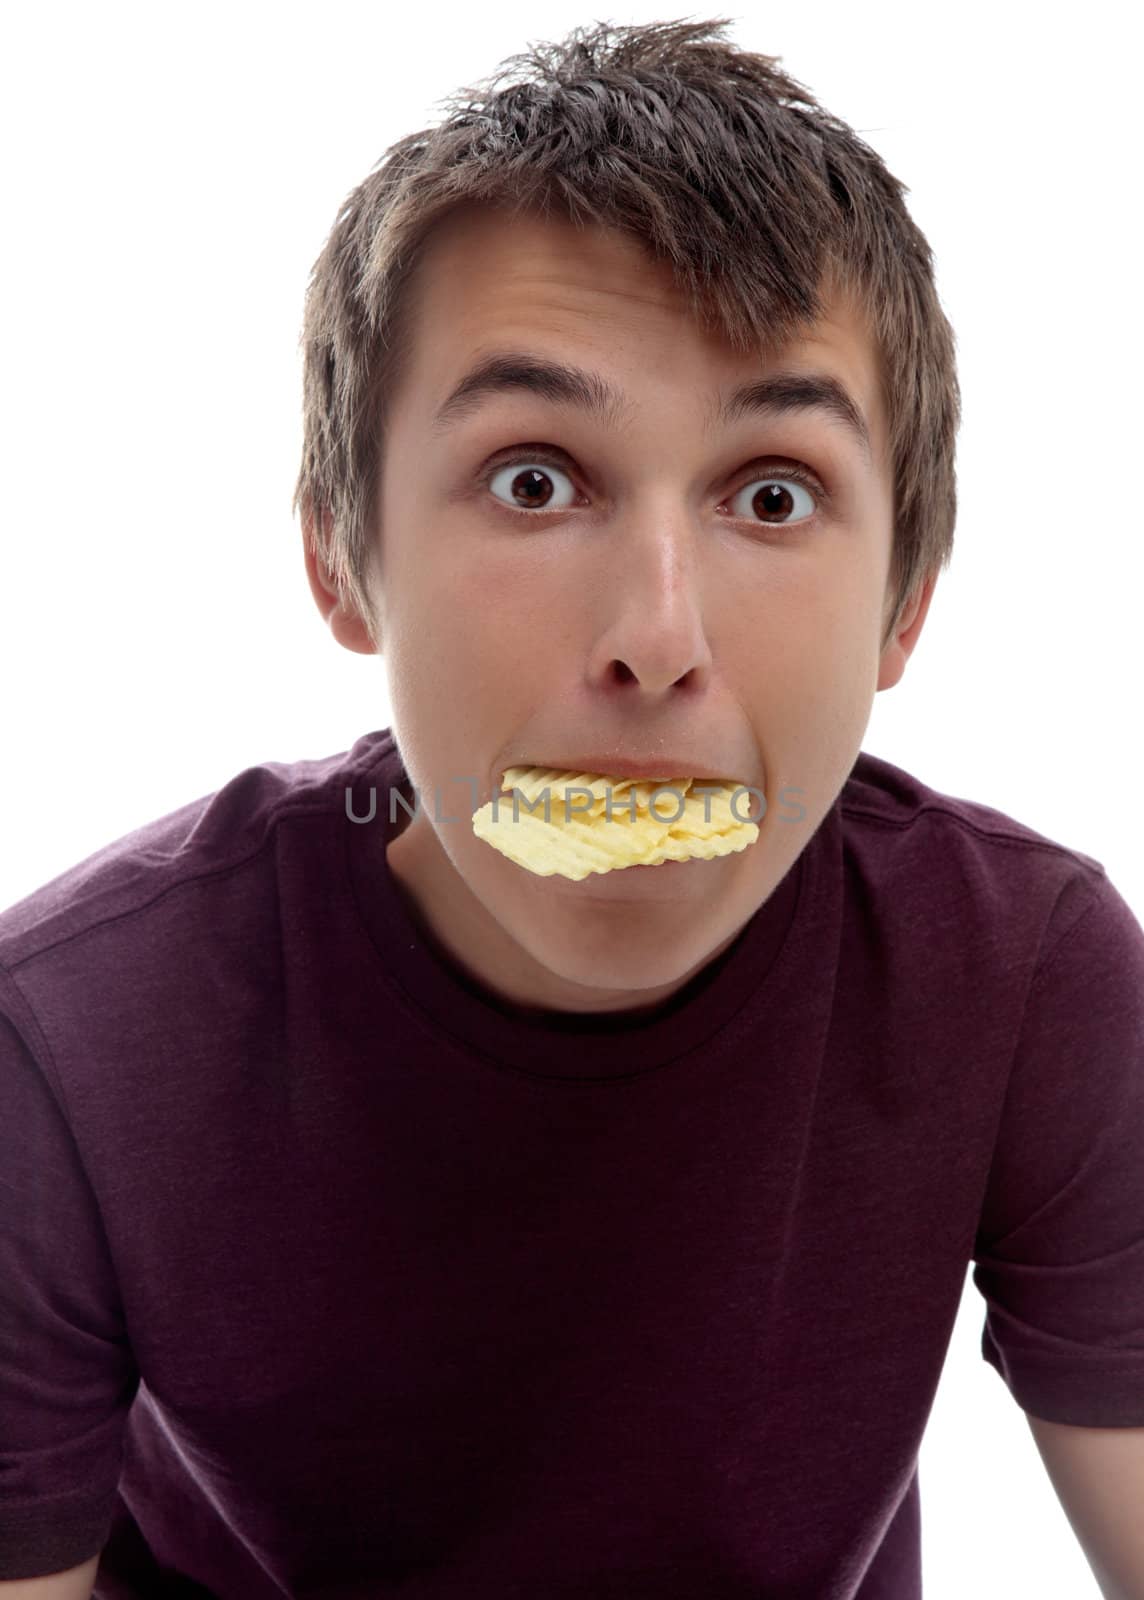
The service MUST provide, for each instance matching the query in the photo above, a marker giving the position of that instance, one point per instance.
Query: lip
(604, 766)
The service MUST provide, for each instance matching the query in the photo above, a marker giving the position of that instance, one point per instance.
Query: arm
(1098, 1475)
(74, 1584)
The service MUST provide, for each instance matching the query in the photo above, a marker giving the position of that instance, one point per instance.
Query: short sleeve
(1060, 1245)
(67, 1377)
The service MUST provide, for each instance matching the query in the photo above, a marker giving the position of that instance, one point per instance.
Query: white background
(171, 174)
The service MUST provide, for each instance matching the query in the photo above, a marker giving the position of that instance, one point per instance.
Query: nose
(653, 637)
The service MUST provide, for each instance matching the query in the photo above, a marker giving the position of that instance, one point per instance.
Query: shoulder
(949, 863)
(166, 931)
(202, 841)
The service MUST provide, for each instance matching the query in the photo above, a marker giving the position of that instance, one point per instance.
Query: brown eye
(527, 485)
(774, 500)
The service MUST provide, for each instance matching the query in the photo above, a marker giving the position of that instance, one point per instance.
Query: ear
(900, 647)
(345, 623)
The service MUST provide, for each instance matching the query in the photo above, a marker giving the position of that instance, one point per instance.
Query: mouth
(663, 769)
(706, 824)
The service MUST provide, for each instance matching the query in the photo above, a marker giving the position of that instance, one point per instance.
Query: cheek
(807, 664)
(481, 584)
(523, 605)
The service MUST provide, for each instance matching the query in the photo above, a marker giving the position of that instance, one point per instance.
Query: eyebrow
(776, 394)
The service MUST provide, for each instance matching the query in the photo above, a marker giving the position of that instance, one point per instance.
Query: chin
(620, 955)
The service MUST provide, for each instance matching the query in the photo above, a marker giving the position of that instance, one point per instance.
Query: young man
(384, 1216)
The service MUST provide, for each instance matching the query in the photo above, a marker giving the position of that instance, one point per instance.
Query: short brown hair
(762, 203)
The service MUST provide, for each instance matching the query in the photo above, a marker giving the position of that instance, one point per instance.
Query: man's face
(670, 586)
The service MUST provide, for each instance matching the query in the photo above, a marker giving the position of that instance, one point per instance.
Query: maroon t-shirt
(325, 1275)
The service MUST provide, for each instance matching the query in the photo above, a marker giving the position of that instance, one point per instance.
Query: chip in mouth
(576, 823)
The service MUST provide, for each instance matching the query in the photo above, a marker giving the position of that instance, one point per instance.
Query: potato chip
(578, 838)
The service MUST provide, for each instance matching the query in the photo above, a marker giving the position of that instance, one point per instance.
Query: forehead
(491, 280)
